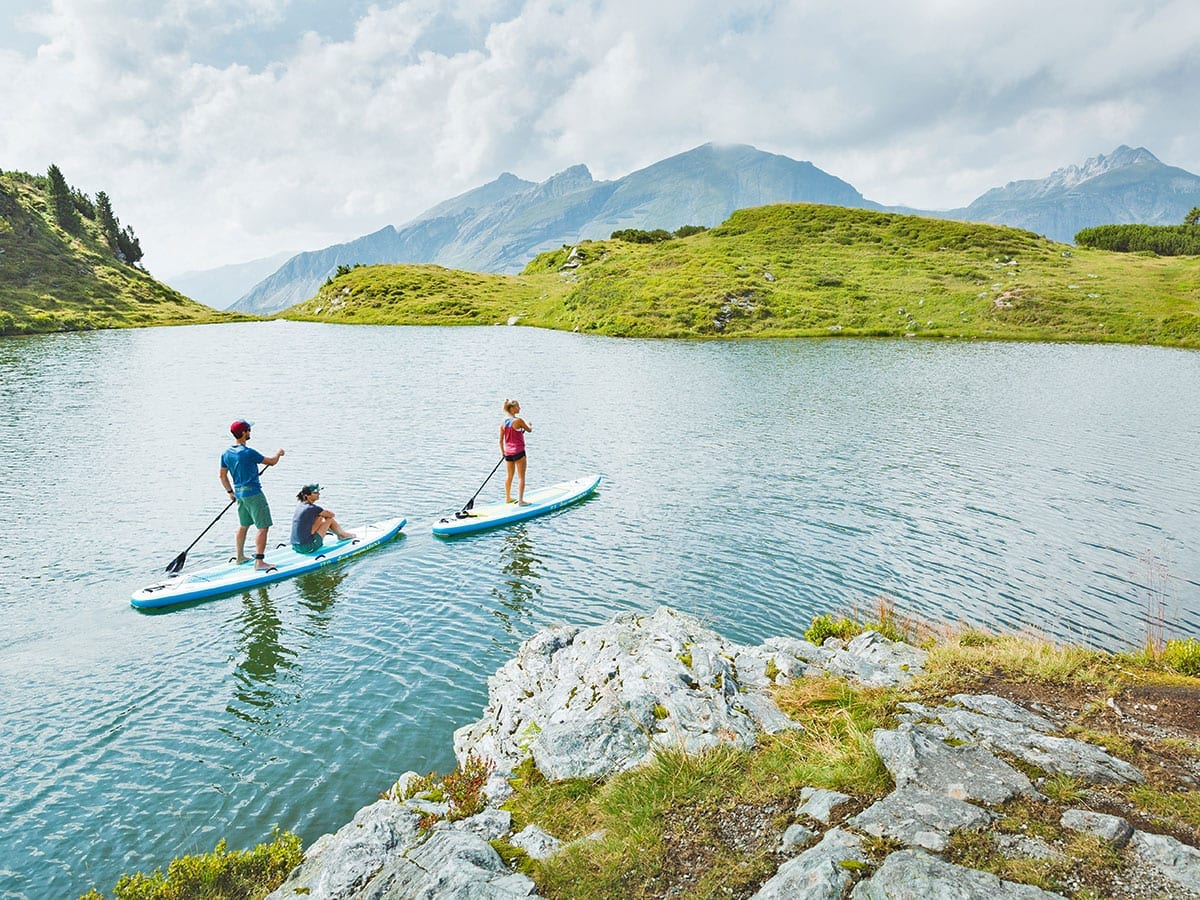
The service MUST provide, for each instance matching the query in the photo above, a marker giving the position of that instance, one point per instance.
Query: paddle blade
(176, 564)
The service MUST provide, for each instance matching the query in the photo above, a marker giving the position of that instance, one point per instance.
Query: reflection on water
(518, 587)
(265, 667)
(318, 590)
(267, 676)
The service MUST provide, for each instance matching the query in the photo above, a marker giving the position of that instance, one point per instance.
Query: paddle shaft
(177, 563)
(471, 502)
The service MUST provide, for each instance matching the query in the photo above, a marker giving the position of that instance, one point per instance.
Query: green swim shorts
(314, 544)
(253, 510)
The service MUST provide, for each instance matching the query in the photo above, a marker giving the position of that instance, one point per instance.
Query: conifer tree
(1193, 217)
(109, 226)
(84, 204)
(129, 246)
(62, 202)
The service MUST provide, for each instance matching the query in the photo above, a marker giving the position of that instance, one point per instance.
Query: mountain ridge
(501, 225)
(701, 186)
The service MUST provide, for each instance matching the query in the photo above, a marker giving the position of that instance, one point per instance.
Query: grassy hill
(54, 281)
(802, 270)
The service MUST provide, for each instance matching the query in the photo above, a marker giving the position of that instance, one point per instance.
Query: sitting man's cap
(239, 426)
(310, 489)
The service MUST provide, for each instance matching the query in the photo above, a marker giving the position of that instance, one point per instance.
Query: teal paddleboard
(229, 578)
(542, 501)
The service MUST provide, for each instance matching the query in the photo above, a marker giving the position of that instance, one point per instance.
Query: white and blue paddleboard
(542, 501)
(230, 577)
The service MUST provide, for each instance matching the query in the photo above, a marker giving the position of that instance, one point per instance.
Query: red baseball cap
(239, 426)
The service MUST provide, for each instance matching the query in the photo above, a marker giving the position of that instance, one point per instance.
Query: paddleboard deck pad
(230, 577)
(542, 501)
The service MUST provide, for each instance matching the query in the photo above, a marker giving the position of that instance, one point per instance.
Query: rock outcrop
(597, 701)
(587, 703)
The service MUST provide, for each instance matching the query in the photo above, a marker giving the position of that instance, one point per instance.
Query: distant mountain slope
(52, 280)
(419, 241)
(1126, 187)
(220, 288)
(501, 226)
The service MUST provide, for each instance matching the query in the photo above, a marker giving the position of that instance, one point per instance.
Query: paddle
(462, 513)
(176, 564)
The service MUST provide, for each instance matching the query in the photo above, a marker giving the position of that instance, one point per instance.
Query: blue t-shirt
(242, 462)
(302, 522)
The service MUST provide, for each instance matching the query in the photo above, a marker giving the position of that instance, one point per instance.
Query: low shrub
(826, 626)
(220, 875)
(1182, 656)
(464, 786)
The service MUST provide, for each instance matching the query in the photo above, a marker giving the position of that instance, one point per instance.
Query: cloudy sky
(228, 130)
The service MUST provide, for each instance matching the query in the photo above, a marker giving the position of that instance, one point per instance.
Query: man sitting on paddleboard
(310, 523)
(241, 462)
(512, 448)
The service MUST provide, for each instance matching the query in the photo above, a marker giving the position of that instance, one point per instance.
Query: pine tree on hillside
(62, 202)
(122, 241)
(130, 247)
(84, 204)
(109, 226)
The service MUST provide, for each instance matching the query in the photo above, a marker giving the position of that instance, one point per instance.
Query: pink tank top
(514, 441)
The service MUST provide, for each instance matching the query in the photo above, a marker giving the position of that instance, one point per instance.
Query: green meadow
(801, 270)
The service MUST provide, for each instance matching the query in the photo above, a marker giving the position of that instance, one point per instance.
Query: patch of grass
(1182, 806)
(631, 811)
(1017, 658)
(221, 875)
(973, 637)
(564, 808)
(715, 816)
(1180, 747)
(1073, 856)
(419, 785)
(1063, 789)
(835, 749)
(1113, 743)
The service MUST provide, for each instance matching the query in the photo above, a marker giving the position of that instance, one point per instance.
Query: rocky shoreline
(594, 702)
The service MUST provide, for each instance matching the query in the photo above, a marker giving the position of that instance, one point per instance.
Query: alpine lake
(755, 484)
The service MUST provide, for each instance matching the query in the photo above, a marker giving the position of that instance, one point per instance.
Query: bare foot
(243, 559)
(522, 503)
(347, 536)
(261, 566)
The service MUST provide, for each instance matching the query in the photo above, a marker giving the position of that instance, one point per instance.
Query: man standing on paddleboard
(241, 462)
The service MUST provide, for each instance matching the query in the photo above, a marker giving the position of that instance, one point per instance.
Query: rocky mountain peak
(568, 181)
(1122, 157)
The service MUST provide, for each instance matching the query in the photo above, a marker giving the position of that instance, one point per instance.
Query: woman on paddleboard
(512, 448)
(310, 523)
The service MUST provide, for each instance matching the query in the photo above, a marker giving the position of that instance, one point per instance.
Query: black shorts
(513, 457)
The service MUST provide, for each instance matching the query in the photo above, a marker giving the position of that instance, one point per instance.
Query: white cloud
(227, 129)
